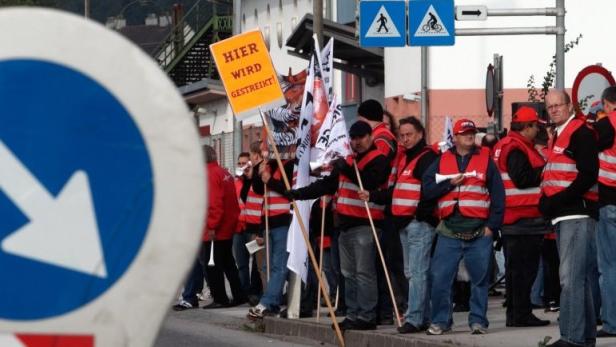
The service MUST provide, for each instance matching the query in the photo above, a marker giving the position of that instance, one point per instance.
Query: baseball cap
(464, 126)
(525, 114)
(360, 129)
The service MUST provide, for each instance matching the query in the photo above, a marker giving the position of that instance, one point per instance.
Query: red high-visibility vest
(277, 204)
(254, 207)
(407, 191)
(472, 196)
(348, 202)
(384, 139)
(607, 160)
(560, 170)
(519, 203)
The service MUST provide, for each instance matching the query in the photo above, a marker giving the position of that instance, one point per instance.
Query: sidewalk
(387, 336)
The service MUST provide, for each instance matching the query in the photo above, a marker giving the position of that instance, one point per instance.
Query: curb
(323, 333)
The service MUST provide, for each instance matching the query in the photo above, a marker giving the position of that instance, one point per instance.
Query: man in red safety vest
(520, 166)
(569, 198)
(356, 241)
(471, 204)
(606, 231)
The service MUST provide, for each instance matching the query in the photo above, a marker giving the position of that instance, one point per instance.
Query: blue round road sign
(67, 136)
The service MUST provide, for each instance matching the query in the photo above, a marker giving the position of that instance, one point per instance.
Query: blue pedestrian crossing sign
(382, 23)
(431, 23)
(95, 143)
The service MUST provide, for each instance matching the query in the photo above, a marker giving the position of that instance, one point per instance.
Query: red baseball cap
(464, 126)
(525, 114)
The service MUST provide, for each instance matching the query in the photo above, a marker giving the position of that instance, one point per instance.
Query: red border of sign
(490, 74)
(578, 80)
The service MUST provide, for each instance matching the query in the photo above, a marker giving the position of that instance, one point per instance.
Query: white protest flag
(333, 141)
(327, 68)
(314, 109)
(447, 140)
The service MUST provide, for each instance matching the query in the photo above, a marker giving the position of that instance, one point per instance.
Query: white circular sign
(102, 190)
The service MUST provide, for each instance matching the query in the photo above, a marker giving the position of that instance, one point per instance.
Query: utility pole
(560, 44)
(86, 8)
(317, 11)
(237, 125)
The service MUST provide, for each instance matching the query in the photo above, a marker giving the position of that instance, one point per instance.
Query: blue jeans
(358, 265)
(416, 239)
(272, 297)
(606, 244)
(578, 256)
(194, 283)
(536, 293)
(477, 255)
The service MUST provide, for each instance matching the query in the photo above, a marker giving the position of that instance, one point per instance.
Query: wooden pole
(378, 247)
(313, 259)
(267, 250)
(321, 254)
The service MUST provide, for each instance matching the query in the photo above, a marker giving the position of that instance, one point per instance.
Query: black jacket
(583, 150)
(373, 175)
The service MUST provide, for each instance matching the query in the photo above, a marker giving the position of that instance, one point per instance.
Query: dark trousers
(250, 278)
(522, 254)
(224, 266)
(335, 259)
(551, 284)
(392, 251)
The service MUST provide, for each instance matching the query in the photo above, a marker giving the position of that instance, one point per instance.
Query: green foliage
(535, 95)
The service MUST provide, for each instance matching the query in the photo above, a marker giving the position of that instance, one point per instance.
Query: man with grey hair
(569, 199)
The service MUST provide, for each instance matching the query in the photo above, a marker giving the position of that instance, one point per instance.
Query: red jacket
(223, 210)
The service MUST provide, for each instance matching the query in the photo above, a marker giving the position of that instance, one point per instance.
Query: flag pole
(313, 259)
(378, 247)
(321, 254)
(267, 250)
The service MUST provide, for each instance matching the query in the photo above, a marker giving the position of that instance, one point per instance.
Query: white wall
(218, 116)
(464, 65)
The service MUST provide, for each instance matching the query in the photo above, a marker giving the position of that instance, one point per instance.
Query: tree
(538, 95)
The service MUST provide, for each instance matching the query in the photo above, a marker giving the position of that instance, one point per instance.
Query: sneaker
(205, 295)
(184, 305)
(436, 330)
(478, 329)
(552, 306)
(258, 312)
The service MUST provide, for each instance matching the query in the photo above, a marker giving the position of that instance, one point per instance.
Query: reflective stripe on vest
(472, 197)
(277, 204)
(348, 202)
(519, 203)
(254, 207)
(607, 160)
(407, 191)
(561, 171)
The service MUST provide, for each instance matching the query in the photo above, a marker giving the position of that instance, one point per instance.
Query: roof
(365, 62)
(148, 37)
(203, 92)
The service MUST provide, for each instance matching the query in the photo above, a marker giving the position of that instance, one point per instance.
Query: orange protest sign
(247, 73)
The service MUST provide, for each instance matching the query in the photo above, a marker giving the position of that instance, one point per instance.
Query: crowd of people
(546, 192)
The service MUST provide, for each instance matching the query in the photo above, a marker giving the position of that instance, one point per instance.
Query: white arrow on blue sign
(431, 23)
(382, 23)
